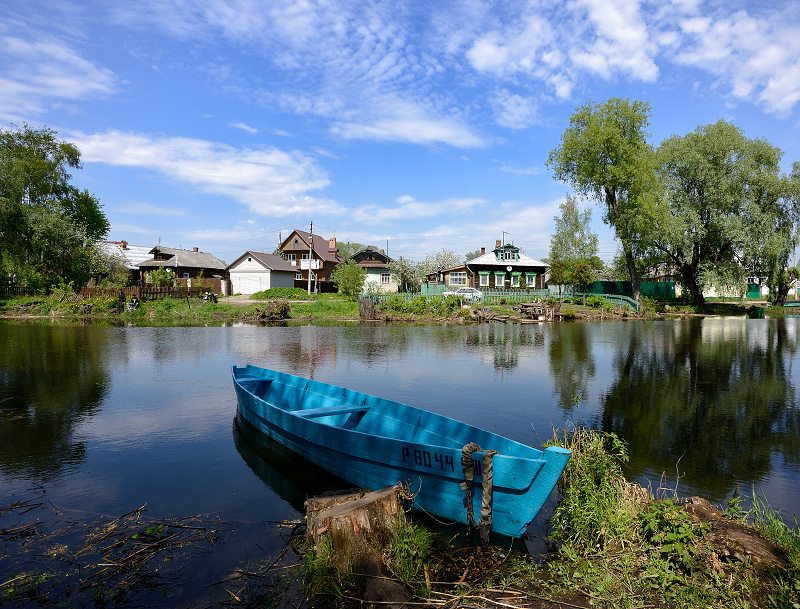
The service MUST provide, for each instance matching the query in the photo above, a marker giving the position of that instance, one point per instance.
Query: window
(305, 256)
(515, 280)
(386, 277)
(291, 256)
(458, 278)
(298, 276)
(500, 280)
(484, 280)
(186, 275)
(530, 279)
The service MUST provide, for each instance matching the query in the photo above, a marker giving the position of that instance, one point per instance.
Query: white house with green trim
(503, 268)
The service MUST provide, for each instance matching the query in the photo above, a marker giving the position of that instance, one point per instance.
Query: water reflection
(713, 398)
(571, 364)
(51, 378)
(289, 475)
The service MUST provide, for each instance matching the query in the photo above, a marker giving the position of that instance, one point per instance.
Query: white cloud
(268, 181)
(523, 171)
(39, 72)
(243, 127)
(410, 209)
(756, 56)
(513, 110)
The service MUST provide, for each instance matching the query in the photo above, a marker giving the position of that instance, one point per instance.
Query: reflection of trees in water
(716, 394)
(571, 363)
(50, 379)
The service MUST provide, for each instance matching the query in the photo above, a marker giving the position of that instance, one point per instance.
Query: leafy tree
(349, 278)
(726, 212)
(472, 255)
(48, 228)
(559, 274)
(161, 277)
(582, 275)
(348, 249)
(443, 259)
(573, 238)
(604, 153)
(406, 273)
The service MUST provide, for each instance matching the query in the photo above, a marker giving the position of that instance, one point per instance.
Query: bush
(296, 293)
(419, 306)
(569, 314)
(595, 302)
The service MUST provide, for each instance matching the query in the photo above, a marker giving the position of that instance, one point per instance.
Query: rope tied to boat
(485, 523)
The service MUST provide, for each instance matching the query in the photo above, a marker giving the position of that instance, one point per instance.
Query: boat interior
(347, 409)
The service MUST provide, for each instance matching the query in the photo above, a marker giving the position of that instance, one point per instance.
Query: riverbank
(335, 308)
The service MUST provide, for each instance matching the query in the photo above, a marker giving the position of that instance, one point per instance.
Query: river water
(100, 420)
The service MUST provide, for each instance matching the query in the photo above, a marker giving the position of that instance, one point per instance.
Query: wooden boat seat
(327, 411)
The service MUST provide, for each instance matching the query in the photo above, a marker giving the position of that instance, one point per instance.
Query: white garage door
(249, 283)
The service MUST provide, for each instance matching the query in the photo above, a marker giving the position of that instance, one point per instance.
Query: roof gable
(271, 262)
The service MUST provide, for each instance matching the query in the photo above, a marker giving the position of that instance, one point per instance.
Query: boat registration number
(433, 460)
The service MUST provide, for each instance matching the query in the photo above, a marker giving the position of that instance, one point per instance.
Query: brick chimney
(498, 243)
(332, 243)
(123, 244)
(483, 251)
(194, 249)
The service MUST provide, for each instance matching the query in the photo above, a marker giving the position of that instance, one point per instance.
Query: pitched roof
(131, 255)
(183, 258)
(271, 261)
(490, 259)
(319, 244)
(371, 257)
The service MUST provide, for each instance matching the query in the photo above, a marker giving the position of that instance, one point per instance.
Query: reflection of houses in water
(314, 346)
(504, 342)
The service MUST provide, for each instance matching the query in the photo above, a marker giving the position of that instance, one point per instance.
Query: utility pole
(310, 256)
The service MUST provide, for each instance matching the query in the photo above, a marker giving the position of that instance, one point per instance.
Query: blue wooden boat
(373, 442)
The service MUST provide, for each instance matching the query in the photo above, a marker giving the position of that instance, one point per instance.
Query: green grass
(624, 550)
(290, 293)
(326, 305)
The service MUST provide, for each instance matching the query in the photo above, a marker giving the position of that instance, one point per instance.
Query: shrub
(295, 293)
(419, 306)
(595, 302)
(569, 314)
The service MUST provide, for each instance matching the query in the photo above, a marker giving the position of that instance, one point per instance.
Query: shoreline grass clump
(618, 546)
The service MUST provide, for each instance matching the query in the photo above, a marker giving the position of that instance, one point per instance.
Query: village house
(376, 262)
(256, 271)
(308, 253)
(503, 268)
(128, 255)
(187, 265)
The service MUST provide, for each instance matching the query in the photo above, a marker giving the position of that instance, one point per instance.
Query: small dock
(536, 310)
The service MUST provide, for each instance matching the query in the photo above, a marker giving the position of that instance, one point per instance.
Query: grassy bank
(615, 546)
(173, 310)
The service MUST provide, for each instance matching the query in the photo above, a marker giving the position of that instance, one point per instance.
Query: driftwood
(359, 524)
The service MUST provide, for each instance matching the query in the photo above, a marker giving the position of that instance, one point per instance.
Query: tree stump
(366, 307)
(359, 524)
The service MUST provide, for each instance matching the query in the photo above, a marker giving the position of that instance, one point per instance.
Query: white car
(467, 294)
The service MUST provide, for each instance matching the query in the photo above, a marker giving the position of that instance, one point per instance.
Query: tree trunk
(634, 272)
(690, 282)
(359, 524)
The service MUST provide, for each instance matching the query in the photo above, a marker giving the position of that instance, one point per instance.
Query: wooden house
(186, 264)
(503, 268)
(376, 262)
(308, 253)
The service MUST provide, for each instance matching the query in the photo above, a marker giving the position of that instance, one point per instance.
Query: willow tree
(726, 212)
(604, 154)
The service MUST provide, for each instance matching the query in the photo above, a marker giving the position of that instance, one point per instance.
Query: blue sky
(422, 125)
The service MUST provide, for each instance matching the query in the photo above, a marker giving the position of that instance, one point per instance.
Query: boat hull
(372, 442)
